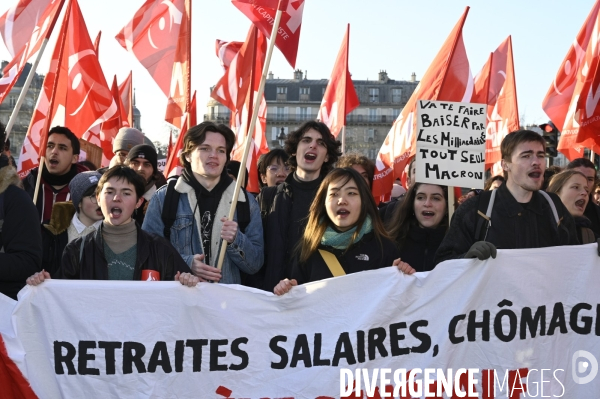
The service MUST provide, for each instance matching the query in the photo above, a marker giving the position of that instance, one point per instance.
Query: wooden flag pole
(344, 139)
(13, 116)
(261, 90)
(39, 179)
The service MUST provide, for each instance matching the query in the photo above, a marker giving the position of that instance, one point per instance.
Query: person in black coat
(20, 235)
(419, 224)
(344, 233)
(119, 249)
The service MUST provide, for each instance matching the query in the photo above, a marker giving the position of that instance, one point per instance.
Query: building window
(373, 95)
(396, 96)
(282, 93)
(303, 113)
(280, 113)
(304, 93)
(395, 113)
(372, 115)
(370, 136)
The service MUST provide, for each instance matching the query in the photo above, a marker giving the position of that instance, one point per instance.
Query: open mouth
(99, 212)
(310, 156)
(343, 212)
(535, 175)
(580, 204)
(116, 211)
(53, 162)
(428, 214)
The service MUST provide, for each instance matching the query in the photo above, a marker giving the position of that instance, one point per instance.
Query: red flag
(173, 166)
(495, 86)
(126, 95)
(448, 78)
(108, 129)
(340, 96)
(226, 51)
(193, 113)
(159, 37)
(237, 90)
(97, 44)
(24, 34)
(75, 88)
(262, 14)
(570, 101)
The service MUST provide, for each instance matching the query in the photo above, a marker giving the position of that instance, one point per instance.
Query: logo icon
(580, 367)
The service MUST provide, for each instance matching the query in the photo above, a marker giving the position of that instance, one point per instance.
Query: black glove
(482, 250)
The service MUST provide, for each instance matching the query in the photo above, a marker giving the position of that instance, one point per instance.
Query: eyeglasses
(277, 168)
(93, 199)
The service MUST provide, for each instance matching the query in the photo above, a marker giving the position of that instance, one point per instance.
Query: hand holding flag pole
(261, 89)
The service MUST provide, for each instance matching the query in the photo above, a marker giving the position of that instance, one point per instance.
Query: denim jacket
(246, 251)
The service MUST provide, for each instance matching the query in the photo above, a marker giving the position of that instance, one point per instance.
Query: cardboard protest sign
(512, 326)
(450, 143)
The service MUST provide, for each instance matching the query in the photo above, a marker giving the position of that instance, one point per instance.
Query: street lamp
(281, 137)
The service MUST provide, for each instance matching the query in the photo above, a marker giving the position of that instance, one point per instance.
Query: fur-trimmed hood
(62, 214)
(8, 176)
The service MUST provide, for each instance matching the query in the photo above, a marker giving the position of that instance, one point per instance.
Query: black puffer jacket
(420, 247)
(20, 236)
(153, 253)
(366, 254)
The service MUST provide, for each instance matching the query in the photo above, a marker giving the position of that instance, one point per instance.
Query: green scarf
(342, 240)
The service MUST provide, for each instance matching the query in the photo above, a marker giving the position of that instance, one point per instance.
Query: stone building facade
(290, 102)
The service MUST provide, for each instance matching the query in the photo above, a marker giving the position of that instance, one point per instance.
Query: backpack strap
(243, 213)
(332, 263)
(169, 211)
(485, 217)
(552, 206)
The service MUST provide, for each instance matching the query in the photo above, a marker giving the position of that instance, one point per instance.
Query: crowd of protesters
(314, 218)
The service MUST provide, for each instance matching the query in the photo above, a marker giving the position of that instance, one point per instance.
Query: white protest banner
(450, 143)
(525, 324)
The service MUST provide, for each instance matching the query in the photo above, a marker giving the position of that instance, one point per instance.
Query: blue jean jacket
(246, 253)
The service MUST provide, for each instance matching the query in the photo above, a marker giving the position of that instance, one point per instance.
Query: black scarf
(59, 180)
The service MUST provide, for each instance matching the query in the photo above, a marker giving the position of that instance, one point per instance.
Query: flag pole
(450, 203)
(21, 99)
(343, 139)
(261, 90)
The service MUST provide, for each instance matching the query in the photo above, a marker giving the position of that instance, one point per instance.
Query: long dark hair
(404, 216)
(318, 220)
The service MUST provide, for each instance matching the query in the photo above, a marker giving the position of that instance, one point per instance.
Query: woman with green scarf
(344, 233)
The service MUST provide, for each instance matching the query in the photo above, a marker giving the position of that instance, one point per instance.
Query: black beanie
(144, 151)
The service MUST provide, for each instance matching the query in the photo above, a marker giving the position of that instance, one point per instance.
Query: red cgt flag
(262, 14)
(495, 86)
(75, 92)
(24, 34)
(109, 128)
(340, 96)
(448, 78)
(126, 96)
(159, 37)
(173, 166)
(571, 99)
(237, 90)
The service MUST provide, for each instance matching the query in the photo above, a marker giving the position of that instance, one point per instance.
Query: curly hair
(353, 158)
(333, 145)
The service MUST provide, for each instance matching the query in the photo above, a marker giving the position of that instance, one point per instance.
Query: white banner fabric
(507, 318)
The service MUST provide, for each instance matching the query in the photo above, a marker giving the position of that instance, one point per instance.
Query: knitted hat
(127, 138)
(144, 151)
(81, 183)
